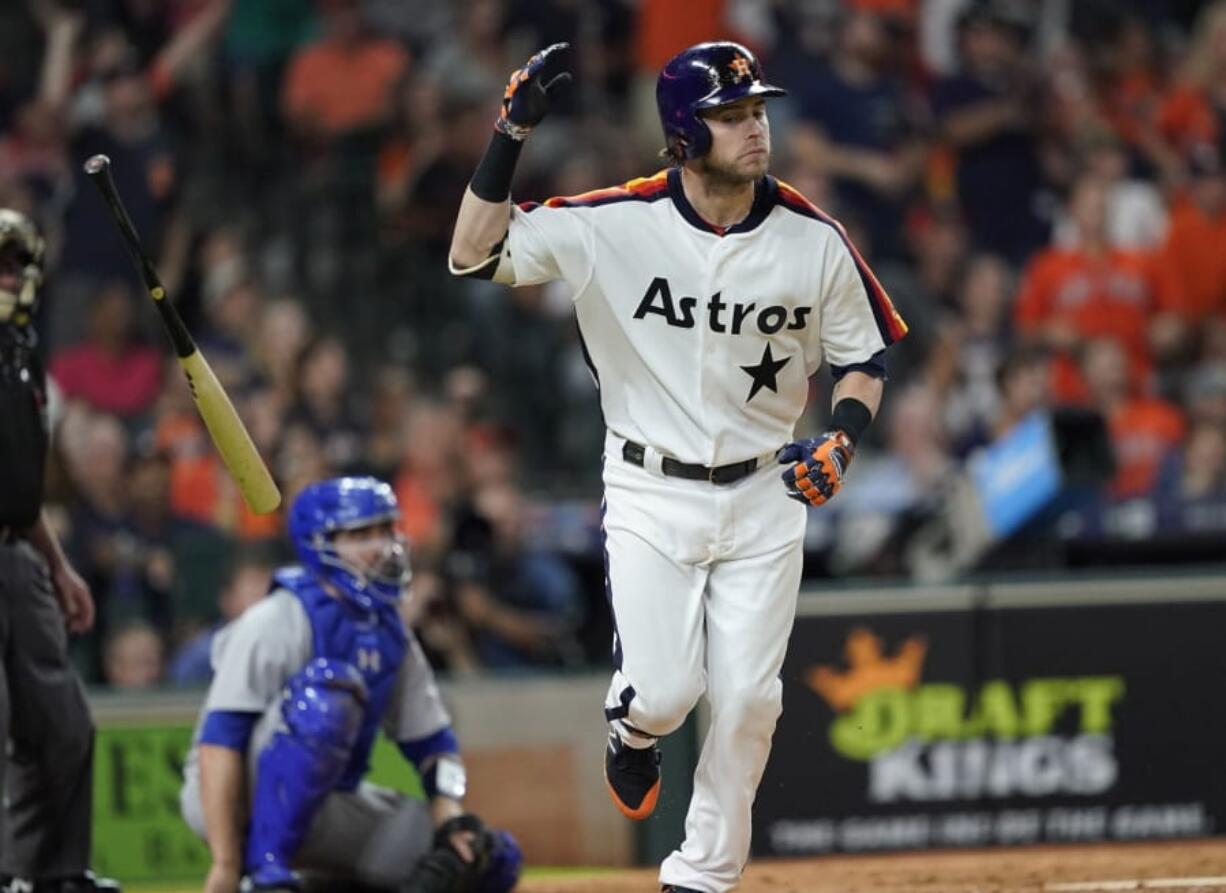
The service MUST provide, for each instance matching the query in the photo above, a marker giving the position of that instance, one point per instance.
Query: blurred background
(1039, 184)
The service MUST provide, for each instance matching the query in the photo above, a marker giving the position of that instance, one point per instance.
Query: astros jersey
(702, 340)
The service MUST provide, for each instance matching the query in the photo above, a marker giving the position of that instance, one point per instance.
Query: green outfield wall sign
(138, 833)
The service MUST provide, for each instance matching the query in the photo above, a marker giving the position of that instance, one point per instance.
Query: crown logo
(740, 68)
(869, 669)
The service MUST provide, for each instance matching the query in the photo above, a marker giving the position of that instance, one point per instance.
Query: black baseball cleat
(632, 777)
(672, 888)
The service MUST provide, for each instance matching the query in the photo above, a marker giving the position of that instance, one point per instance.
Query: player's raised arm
(485, 211)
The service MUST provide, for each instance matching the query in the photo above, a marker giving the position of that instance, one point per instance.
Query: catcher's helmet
(704, 77)
(18, 233)
(348, 503)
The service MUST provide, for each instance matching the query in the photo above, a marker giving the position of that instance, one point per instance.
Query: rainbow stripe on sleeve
(889, 322)
(642, 189)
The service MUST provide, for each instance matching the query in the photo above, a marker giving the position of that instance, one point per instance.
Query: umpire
(45, 822)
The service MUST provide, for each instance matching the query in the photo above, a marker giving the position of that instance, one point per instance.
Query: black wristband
(491, 181)
(851, 417)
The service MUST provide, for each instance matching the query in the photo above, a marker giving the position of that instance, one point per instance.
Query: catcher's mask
(21, 251)
(349, 503)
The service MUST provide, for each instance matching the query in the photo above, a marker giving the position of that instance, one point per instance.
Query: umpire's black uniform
(48, 779)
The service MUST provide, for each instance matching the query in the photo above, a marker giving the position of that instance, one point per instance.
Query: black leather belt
(722, 474)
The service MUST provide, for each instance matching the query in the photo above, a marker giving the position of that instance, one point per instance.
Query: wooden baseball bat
(225, 428)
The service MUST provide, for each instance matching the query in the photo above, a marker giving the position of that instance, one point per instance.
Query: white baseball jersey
(702, 339)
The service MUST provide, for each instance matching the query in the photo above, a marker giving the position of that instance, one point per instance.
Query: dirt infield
(1195, 866)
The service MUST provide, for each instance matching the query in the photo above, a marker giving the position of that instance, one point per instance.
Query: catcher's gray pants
(372, 835)
(44, 718)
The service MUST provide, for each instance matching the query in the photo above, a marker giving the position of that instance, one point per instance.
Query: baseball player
(45, 726)
(303, 681)
(706, 296)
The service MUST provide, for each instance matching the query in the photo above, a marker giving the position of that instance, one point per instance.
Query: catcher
(304, 679)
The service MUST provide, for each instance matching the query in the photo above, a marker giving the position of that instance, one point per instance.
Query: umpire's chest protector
(373, 641)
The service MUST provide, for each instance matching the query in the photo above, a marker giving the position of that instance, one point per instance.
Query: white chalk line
(1161, 883)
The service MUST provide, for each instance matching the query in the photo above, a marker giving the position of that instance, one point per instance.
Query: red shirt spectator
(1144, 430)
(110, 371)
(1070, 295)
(345, 81)
(1194, 255)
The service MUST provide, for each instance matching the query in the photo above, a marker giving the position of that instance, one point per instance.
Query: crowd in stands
(1041, 187)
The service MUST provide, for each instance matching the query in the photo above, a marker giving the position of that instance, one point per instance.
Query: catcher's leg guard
(322, 709)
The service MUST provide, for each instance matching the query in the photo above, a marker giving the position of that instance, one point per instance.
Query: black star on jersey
(764, 373)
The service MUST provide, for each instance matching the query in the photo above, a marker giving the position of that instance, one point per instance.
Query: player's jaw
(740, 142)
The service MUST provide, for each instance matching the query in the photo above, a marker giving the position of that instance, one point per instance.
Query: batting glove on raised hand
(532, 91)
(816, 466)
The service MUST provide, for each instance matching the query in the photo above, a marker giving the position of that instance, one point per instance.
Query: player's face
(369, 550)
(740, 141)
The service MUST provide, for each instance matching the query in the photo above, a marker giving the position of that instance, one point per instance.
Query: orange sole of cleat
(646, 808)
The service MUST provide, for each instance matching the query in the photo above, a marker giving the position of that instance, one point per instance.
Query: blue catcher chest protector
(705, 76)
(332, 710)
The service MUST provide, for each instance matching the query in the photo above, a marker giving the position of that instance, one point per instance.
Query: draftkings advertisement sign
(998, 726)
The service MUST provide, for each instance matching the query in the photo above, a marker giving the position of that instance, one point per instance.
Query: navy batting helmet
(704, 77)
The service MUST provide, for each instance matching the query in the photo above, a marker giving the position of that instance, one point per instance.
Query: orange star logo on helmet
(740, 68)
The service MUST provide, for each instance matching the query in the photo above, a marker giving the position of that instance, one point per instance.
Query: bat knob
(96, 164)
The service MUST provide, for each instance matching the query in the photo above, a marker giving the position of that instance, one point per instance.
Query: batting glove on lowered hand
(816, 466)
(532, 91)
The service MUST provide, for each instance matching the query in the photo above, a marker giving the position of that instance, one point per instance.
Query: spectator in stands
(1195, 110)
(146, 174)
(1070, 295)
(906, 480)
(430, 611)
(522, 604)
(1198, 470)
(855, 125)
(1193, 255)
(246, 583)
(323, 404)
(1136, 213)
(979, 340)
(1204, 395)
(1024, 381)
(428, 480)
(111, 371)
(232, 305)
(344, 83)
(1144, 430)
(471, 57)
(391, 399)
(1133, 90)
(284, 331)
(132, 657)
(990, 114)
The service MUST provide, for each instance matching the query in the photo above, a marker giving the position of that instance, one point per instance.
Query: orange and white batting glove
(532, 91)
(816, 466)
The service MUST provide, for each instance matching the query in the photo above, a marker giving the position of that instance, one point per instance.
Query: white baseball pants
(702, 580)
